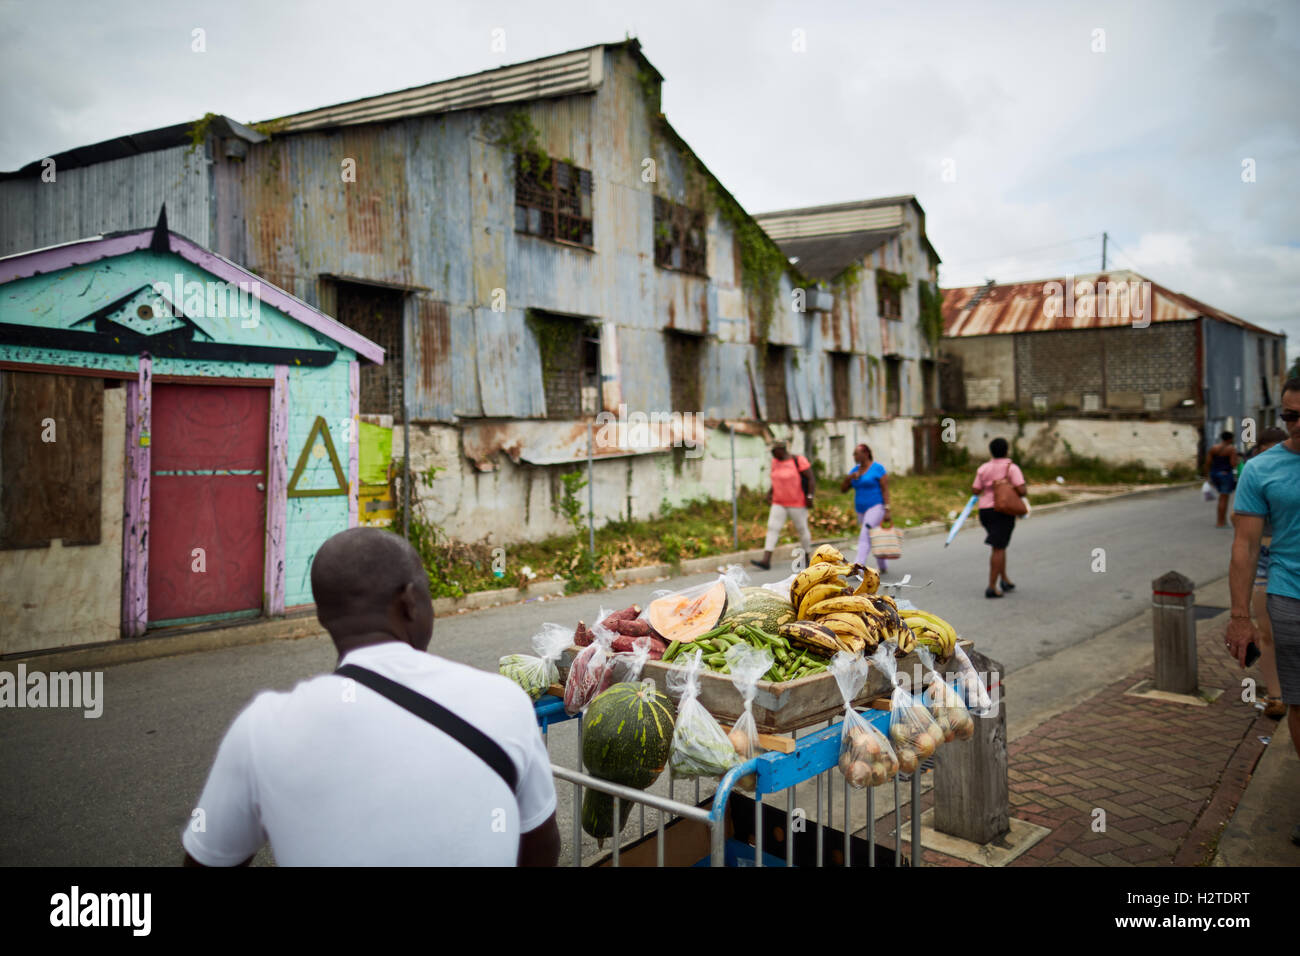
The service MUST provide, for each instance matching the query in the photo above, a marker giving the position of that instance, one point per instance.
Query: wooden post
(1173, 629)
(970, 776)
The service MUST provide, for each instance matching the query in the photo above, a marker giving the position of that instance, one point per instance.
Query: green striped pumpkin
(762, 609)
(626, 735)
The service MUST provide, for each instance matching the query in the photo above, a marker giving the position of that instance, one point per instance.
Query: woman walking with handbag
(870, 484)
(1000, 485)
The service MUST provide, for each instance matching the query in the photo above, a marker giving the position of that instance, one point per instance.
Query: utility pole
(1104, 237)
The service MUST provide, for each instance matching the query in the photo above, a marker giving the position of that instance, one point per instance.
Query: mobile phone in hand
(1252, 653)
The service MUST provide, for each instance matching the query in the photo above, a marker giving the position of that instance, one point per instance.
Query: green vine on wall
(514, 131)
(198, 133)
(931, 312)
(894, 281)
(557, 339)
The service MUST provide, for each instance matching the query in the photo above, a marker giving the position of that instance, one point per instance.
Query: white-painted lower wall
(1155, 444)
(513, 503)
(56, 596)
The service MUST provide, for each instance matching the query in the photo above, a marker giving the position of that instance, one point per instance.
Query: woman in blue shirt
(870, 499)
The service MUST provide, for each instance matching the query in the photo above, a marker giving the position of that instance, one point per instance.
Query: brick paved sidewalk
(1167, 775)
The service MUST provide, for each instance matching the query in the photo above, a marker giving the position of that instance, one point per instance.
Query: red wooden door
(207, 509)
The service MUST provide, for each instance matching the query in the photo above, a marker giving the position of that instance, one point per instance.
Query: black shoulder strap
(482, 746)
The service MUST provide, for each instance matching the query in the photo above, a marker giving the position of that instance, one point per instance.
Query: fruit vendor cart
(730, 828)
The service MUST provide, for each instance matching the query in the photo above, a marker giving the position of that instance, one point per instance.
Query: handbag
(1006, 500)
(886, 542)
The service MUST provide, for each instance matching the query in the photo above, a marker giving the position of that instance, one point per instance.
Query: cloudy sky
(1054, 122)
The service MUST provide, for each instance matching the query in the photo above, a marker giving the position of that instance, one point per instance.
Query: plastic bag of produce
(912, 730)
(781, 588)
(684, 615)
(535, 674)
(592, 671)
(628, 664)
(700, 748)
(970, 685)
(944, 704)
(747, 664)
(866, 758)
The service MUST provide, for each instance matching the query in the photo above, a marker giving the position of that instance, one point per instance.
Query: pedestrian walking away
(1269, 493)
(1220, 468)
(449, 770)
(998, 511)
(1270, 692)
(870, 484)
(793, 484)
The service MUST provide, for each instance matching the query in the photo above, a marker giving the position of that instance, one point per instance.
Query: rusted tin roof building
(529, 245)
(1109, 344)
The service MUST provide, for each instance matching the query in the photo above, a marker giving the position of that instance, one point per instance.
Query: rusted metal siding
(428, 372)
(1030, 306)
(113, 196)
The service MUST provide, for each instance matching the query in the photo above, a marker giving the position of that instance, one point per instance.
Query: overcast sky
(1052, 140)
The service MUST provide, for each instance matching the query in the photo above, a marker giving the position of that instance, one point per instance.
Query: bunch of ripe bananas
(931, 631)
(830, 617)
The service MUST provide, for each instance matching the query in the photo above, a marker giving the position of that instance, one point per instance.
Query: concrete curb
(303, 623)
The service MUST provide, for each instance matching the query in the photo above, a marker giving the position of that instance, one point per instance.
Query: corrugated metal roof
(575, 71)
(825, 257)
(1039, 306)
(831, 220)
(578, 71)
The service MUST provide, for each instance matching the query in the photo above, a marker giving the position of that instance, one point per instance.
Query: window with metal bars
(553, 201)
(889, 293)
(680, 238)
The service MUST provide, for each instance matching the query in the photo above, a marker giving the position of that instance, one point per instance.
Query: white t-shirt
(332, 781)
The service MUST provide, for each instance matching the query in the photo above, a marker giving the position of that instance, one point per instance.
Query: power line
(1023, 252)
(1132, 263)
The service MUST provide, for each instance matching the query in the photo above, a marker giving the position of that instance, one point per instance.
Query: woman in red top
(998, 525)
(793, 484)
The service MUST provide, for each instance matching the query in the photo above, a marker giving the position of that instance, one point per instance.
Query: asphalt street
(118, 789)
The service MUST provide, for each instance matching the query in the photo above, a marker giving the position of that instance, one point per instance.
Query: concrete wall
(54, 596)
(988, 369)
(513, 502)
(1156, 444)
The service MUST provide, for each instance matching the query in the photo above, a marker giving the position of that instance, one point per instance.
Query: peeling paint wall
(55, 596)
(513, 502)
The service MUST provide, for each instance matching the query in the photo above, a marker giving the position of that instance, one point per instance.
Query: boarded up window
(685, 358)
(553, 201)
(376, 313)
(51, 441)
(778, 408)
(927, 383)
(840, 384)
(570, 351)
(893, 367)
(680, 239)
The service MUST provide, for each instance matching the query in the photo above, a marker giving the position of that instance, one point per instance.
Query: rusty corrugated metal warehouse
(515, 297)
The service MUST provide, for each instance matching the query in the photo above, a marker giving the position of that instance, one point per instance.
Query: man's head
(1291, 410)
(368, 583)
(779, 451)
(1225, 437)
(998, 448)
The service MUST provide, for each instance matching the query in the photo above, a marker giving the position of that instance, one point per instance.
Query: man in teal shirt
(1270, 492)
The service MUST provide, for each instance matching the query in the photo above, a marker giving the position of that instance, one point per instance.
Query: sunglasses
(1289, 416)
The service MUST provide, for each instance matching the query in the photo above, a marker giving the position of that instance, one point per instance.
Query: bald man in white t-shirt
(332, 773)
